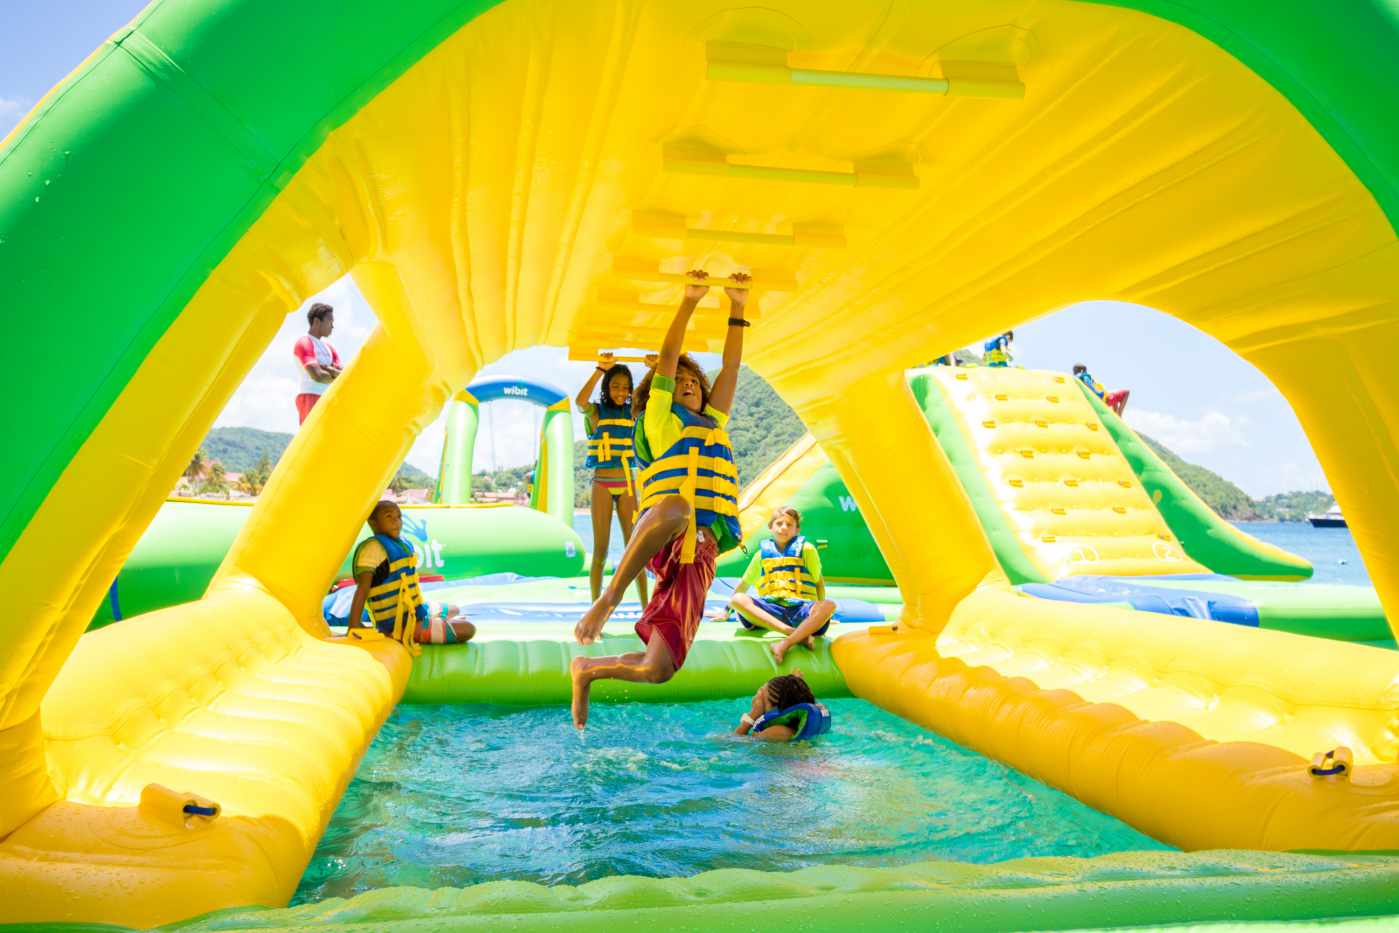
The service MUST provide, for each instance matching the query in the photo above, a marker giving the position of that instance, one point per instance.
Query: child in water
(610, 423)
(791, 591)
(1117, 400)
(782, 710)
(385, 568)
(689, 505)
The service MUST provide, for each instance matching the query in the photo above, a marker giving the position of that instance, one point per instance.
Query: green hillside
(1224, 497)
(1296, 506)
(761, 425)
(240, 450)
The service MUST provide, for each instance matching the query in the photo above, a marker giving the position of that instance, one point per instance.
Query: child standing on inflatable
(791, 591)
(689, 505)
(1117, 401)
(385, 568)
(610, 421)
(785, 710)
(998, 350)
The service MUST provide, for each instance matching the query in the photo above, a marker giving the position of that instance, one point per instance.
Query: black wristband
(739, 322)
(600, 369)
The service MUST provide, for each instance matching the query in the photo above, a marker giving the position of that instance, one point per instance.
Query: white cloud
(1254, 396)
(1210, 432)
(1290, 476)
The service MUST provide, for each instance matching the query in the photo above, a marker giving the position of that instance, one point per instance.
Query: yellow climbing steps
(1055, 494)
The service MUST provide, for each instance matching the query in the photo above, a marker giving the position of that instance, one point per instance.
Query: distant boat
(1332, 519)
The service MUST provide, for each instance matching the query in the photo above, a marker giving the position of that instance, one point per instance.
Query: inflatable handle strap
(179, 808)
(1337, 762)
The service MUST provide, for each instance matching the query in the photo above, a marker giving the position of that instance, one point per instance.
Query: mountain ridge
(762, 426)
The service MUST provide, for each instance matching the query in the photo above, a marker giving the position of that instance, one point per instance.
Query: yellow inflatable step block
(226, 700)
(1160, 776)
(1057, 476)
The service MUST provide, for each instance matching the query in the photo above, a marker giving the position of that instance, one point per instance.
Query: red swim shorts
(676, 607)
(304, 403)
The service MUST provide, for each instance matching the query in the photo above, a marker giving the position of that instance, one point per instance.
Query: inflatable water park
(180, 551)
(1060, 692)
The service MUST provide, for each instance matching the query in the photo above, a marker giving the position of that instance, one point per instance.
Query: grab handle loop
(180, 808)
(1335, 763)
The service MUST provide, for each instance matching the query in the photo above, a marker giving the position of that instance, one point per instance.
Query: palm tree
(254, 479)
(216, 482)
(189, 479)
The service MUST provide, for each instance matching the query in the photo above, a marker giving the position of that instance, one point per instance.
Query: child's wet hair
(604, 392)
(787, 510)
(379, 505)
(317, 311)
(789, 690)
(1080, 368)
(643, 392)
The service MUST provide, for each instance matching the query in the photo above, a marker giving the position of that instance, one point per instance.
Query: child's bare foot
(590, 626)
(582, 685)
(779, 650)
(811, 642)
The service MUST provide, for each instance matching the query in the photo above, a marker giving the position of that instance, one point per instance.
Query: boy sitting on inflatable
(791, 591)
(785, 710)
(689, 504)
(385, 568)
(1117, 401)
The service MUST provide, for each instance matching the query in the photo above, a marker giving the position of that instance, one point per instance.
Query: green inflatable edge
(239, 92)
(529, 667)
(1206, 537)
(1048, 893)
(824, 519)
(179, 552)
(947, 428)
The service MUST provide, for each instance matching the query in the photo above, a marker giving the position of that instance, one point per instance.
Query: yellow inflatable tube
(262, 722)
(1197, 733)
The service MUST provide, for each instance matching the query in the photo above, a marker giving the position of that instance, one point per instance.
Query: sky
(1188, 391)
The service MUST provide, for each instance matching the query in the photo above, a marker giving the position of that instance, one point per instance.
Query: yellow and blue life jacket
(807, 720)
(610, 443)
(395, 601)
(997, 351)
(784, 573)
(699, 466)
(1095, 387)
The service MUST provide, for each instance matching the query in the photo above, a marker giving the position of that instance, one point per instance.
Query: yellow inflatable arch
(902, 178)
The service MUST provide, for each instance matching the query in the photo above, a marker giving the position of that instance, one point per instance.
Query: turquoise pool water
(461, 795)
